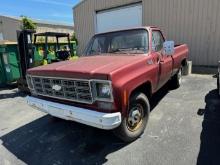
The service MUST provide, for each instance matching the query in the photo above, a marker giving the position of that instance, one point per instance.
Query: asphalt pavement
(184, 129)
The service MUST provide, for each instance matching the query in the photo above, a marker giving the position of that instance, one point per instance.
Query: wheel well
(144, 88)
(184, 63)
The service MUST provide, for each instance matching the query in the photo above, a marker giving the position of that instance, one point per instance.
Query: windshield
(122, 42)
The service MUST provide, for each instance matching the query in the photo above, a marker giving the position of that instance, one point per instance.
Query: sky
(59, 11)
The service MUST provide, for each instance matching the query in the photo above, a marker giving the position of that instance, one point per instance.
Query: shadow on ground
(15, 93)
(209, 153)
(8, 86)
(52, 141)
(157, 97)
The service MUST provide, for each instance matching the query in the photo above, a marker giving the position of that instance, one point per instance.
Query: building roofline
(83, 1)
(78, 4)
(39, 21)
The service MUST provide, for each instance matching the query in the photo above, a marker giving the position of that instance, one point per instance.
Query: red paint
(125, 72)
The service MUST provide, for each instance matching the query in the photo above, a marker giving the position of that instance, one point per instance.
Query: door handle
(159, 60)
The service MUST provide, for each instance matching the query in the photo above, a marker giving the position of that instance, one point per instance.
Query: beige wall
(195, 22)
(9, 26)
(53, 28)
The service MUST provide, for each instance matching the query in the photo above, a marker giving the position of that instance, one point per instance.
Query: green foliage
(73, 38)
(27, 24)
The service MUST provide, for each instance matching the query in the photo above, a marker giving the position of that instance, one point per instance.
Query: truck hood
(87, 67)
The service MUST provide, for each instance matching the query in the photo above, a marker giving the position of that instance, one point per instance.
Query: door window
(157, 41)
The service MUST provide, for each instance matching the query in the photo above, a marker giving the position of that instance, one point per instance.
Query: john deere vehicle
(52, 52)
(37, 49)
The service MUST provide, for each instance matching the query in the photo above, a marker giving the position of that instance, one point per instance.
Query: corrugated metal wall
(195, 22)
(85, 15)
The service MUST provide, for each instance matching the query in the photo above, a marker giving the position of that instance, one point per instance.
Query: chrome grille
(68, 89)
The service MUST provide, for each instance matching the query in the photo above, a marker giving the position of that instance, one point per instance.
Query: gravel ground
(184, 129)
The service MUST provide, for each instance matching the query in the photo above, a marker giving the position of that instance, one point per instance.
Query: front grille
(66, 89)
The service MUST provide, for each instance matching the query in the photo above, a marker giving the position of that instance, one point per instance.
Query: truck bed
(180, 54)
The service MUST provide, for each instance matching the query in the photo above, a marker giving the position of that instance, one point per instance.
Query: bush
(73, 38)
(28, 24)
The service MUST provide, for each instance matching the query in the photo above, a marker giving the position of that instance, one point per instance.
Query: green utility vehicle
(37, 49)
(49, 52)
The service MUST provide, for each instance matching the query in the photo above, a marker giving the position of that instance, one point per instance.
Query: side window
(157, 41)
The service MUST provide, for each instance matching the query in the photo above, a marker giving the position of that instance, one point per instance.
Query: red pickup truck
(110, 85)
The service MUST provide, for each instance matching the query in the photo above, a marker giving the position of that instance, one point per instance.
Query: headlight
(102, 90)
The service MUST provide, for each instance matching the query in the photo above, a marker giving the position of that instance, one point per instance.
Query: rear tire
(134, 124)
(176, 80)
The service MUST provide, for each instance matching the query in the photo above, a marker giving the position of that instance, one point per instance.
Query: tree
(27, 24)
(73, 38)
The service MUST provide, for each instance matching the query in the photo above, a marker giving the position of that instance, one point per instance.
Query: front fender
(130, 81)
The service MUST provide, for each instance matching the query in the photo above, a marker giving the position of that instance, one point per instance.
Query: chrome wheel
(135, 117)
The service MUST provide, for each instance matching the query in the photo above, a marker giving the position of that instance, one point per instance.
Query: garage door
(119, 18)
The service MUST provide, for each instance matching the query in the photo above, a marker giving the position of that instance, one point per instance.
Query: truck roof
(133, 28)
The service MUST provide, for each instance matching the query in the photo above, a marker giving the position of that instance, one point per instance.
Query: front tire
(134, 124)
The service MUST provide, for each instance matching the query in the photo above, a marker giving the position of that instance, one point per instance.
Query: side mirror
(168, 48)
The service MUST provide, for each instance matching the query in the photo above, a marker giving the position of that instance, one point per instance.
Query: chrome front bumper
(100, 120)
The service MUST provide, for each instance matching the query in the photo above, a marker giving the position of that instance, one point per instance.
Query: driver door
(165, 62)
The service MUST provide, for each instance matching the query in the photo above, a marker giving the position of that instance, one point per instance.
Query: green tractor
(36, 49)
(47, 52)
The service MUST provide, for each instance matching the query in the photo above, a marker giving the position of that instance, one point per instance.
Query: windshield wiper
(124, 51)
(128, 51)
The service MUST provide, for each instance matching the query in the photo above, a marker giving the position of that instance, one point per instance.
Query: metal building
(9, 25)
(195, 22)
